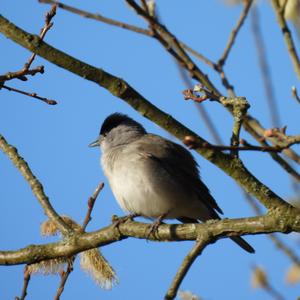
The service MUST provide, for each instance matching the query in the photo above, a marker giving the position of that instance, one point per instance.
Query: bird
(153, 177)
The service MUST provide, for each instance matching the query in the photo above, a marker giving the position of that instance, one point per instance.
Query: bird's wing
(180, 164)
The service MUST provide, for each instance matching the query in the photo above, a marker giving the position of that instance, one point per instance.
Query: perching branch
(280, 220)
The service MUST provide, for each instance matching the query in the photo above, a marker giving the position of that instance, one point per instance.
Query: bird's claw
(154, 226)
(117, 221)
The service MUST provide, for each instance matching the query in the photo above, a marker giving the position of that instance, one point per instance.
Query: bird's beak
(95, 143)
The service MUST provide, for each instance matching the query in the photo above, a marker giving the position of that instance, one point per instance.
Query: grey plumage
(152, 176)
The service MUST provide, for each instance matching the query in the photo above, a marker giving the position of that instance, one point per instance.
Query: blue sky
(54, 139)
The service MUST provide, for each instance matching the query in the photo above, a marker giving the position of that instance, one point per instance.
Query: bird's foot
(154, 226)
(117, 221)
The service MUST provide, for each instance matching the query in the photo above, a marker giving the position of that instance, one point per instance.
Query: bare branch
(279, 220)
(190, 143)
(264, 67)
(274, 238)
(295, 94)
(65, 274)
(91, 203)
(258, 132)
(202, 111)
(98, 17)
(239, 107)
(35, 185)
(260, 280)
(25, 284)
(172, 45)
(234, 33)
(48, 17)
(21, 74)
(33, 95)
(63, 279)
(287, 35)
(197, 249)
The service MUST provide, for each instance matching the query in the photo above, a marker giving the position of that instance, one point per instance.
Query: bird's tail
(243, 244)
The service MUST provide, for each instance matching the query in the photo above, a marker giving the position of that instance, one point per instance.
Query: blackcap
(153, 177)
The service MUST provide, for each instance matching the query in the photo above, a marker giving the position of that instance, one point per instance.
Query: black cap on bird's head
(117, 119)
(114, 120)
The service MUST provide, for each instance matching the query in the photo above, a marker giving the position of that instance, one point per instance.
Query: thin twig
(63, 279)
(238, 106)
(287, 35)
(21, 74)
(25, 284)
(98, 17)
(274, 238)
(145, 6)
(295, 94)
(190, 142)
(273, 292)
(283, 6)
(234, 33)
(201, 109)
(91, 203)
(258, 132)
(33, 95)
(65, 274)
(264, 67)
(48, 17)
(35, 185)
(185, 266)
(283, 139)
(173, 46)
(261, 280)
(197, 54)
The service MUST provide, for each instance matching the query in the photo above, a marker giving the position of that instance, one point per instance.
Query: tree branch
(234, 33)
(26, 280)
(283, 221)
(264, 67)
(33, 95)
(35, 185)
(185, 266)
(287, 37)
(65, 274)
